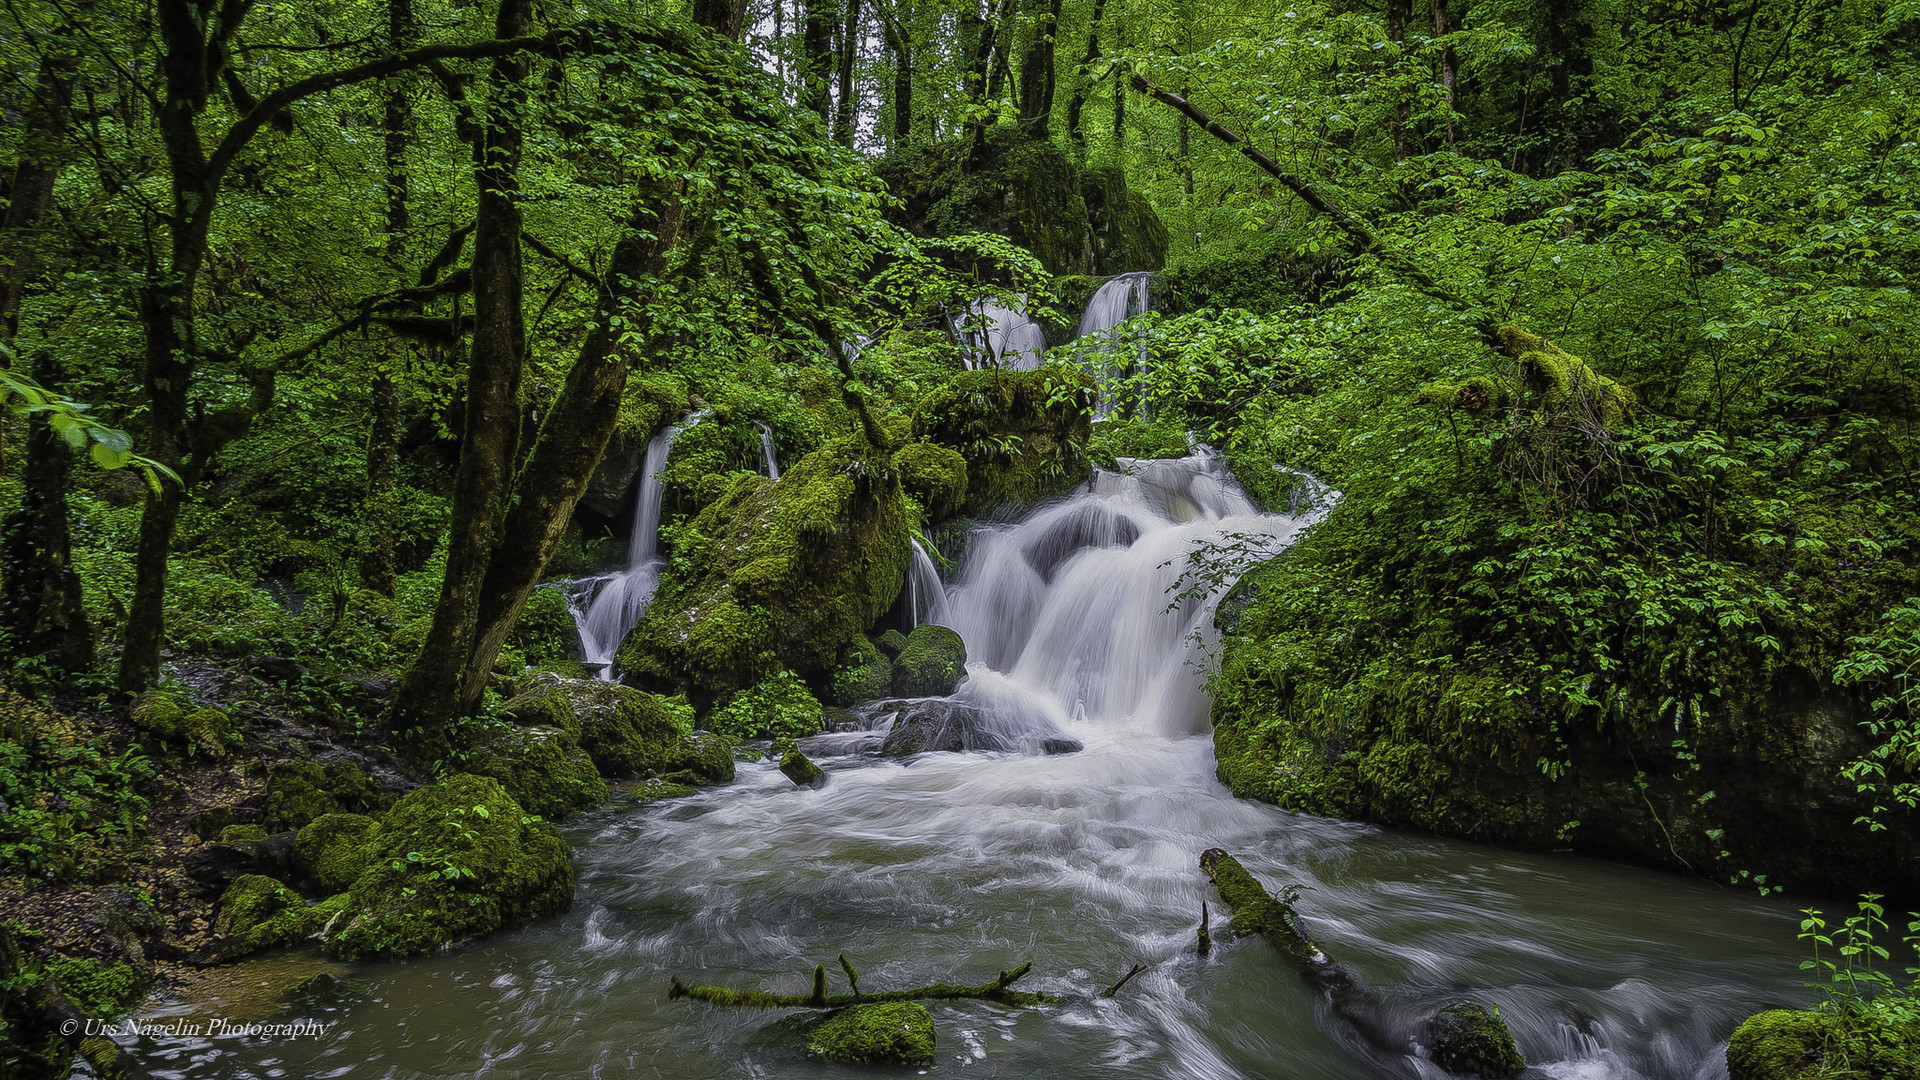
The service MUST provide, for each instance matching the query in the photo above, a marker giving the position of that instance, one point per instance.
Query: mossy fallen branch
(999, 991)
(1257, 911)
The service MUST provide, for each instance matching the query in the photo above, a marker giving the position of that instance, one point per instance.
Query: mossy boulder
(656, 789)
(1781, 1044)
(543, 768)
(97, 988)
(1023, 434)
(300, 791)
(707, 756)
(1473, 1040)
(1075, 221)
(934, 474)
(889, 1033)
(257, 913)
(335, 849)
(932, 664)
(772, 575)
(795, 765)
(171, 718)
(864, 673)
(626, 732)
(891, 643)
(238, 834)
(454, 860)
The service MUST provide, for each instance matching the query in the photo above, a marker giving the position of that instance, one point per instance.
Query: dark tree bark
(816, 56)
(1037, 74)
(1078, 101)
(383, 406)
(1448, 64)
(40, 597)
(901, 45)
(429, 694)
(843, 113)
(1398, 13)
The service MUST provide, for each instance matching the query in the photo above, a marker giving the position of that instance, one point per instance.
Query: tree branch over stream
(999, 991)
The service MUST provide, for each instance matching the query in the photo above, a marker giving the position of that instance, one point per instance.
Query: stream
(950, 867)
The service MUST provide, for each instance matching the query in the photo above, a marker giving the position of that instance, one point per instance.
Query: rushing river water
(950, 867)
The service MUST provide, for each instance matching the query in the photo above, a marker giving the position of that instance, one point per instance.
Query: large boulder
(1473, 1040)
(943, 725)
(932, 664)
(626, 732)
(776, 574)
(864, 674)
(451, 861)
(1022, 434)
(543, 768)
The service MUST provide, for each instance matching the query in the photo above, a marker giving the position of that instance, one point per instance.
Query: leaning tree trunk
(40, 598)
(429, 694)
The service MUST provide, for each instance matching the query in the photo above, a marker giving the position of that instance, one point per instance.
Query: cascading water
(950, 867)
(1120, 298)
(994, 335)
(926, 597)
(606, 606)
(769, 456)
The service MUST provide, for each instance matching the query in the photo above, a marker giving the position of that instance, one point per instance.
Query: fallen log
(1000, 991)
(1257, 911)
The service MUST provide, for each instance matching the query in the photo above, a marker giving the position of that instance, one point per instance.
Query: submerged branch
(999, 990)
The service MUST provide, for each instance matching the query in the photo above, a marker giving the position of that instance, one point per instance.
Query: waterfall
(1119, 299)
(607, 606)
(994, 335)
(1066, 614)
(926, 596)
(767, 455)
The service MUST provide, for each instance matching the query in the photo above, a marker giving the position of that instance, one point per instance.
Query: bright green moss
(1023, 434)
(457, 859)
(935, 475)
(236, 834)
(300, 791)
(778, 706)
(1880, 1039)
(654, 789)
(170, 718)
(1560, 382)
(648, 402)
(795, 765)
(776, 575)
(257, 912)
(544, 770)
(335, 849)
(1472, 1040)
(932, 663)
(98, 989)
(894, 1033)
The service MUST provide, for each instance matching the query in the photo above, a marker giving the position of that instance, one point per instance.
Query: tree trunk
(1078, 101)
(429, 694)
(576, 432)
(895, 33)
(816, 56)
(1398, 12)
(1448, 64)
(1037, 74)
(843, 113)
(383, 435)
(40, 598)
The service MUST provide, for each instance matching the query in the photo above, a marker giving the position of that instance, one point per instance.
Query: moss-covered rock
(171, 718)
(1473, 1040)
(795, 765)
(776, 575)
(864, 673)
(300, 791)
(335, 849)
(705, 755)
(890, 1033)
(890, 644)
(1023, 434)
(626, 732)
(543, 768)
(235, 834)
(457, 859)
(1030, 191)
(257, 912)
(934, 474)
(655, 789)
(1781, 1044)
(99, 989)
(932, 664)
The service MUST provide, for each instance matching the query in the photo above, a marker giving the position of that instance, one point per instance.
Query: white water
(769, 457)
(607, 606)
(950, 867)
(926, 596)
(994, 335)
(1118, 299)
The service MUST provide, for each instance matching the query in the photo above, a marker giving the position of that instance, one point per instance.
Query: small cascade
(1119, 299)
(607, 606)
(994, 335)
(926, 596)
(767, 455)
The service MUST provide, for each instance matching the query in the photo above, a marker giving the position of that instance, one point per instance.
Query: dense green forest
(337, 337)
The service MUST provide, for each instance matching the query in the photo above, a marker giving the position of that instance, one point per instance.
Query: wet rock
(1473, 1040)
(932, 664)
(937, 725)
(891, 643)
(799, 768)
(892, 1033)
(214, 867)
(1060, 744)
(1781, 1044)
(625, 731)
(277, 668)
(655, 789)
